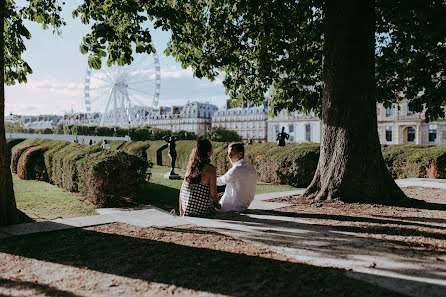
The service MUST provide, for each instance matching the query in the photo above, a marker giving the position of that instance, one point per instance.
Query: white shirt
(240, 181)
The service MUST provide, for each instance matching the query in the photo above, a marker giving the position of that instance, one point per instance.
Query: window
(411, 134)
(409, 112)
(388, 133)
(277, 129)
(389, 111)
(432, 133)
(291, 128)
(307, 132)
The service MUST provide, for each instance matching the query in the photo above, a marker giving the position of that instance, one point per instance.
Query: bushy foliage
(10, 143)
(426, 161)
(223, 134)
(17, 153)
(31, 164)
(109, 178)
(14, 127)
(81, 168)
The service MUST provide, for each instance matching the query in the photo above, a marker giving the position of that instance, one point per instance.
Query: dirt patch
(125, 260)
(419, 224)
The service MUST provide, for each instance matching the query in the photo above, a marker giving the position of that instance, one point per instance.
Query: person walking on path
(240, 181)
(198, 194)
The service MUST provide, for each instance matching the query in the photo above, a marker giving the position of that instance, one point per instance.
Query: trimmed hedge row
(426, 161)
(31, 164)
(295, 164)
(104, 176)
(16, 156)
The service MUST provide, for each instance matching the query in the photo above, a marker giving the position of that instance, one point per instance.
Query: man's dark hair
(238, 147)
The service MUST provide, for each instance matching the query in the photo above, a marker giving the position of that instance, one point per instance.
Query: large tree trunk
(8, 210)
(351, 167)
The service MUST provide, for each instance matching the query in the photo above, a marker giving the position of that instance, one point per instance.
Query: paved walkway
(411, 272)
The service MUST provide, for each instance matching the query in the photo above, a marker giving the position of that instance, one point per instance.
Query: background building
(193, 117)
(399, 125)
(300, 127)
(249, 122)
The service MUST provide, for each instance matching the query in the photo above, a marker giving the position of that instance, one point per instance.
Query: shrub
(64, 169)
(223, 134)
(31, 164)
(110, 178)
(10, 143)
(426, 161)
(16, 156)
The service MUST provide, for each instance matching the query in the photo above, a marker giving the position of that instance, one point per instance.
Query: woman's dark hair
(198, 159)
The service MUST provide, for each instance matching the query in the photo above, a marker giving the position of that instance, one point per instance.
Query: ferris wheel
(122, 94)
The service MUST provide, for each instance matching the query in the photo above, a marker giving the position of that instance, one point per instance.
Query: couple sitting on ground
(198, 195)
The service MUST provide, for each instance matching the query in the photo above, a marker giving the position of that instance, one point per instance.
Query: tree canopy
(279, 43)
(223, 134)
(46, 13)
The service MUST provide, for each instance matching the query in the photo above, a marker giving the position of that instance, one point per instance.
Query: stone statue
(170, 139)
(281, 137)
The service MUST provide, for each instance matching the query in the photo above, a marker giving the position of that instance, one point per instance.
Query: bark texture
(351, 167)
(8, 210)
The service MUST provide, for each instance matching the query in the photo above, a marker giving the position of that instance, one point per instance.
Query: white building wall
(401, 120)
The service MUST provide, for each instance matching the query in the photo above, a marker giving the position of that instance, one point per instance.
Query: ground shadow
(35, 287)
(345, 218)
(334, 242)
(158, 195)
(159, 155)
(406, 202)
(195, 268)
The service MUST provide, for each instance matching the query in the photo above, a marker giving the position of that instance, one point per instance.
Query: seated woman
(198, 195)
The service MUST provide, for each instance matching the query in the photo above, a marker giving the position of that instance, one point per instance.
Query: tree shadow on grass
(199, 269)
(158, 195)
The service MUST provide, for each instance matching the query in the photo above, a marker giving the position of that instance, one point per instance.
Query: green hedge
(31, 164)
(426, 161)
(108, 178)
(295, 164)
(105, 177)
(183, 148)
(137, 148)
(10, 143)
(16, 154)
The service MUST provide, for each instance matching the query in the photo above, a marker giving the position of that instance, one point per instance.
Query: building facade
(193, 117)
(399, 125)
(249, 122)
(299, 126)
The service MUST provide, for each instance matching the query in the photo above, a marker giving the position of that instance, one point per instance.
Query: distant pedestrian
(105, 144)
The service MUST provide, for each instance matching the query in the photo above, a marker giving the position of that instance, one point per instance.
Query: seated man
(240, 181)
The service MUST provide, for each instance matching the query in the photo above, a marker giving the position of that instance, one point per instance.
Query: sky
(57, 83)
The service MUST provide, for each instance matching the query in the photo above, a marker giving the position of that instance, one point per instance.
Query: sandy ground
(420, 224)
(125, 260)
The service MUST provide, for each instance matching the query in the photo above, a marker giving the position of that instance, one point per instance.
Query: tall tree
(15, 69)
(332, 57)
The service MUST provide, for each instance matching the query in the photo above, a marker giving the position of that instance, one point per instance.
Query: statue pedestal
(171, 175)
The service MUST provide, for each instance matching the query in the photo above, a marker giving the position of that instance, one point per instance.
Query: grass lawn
(164, 193)
(43, 201)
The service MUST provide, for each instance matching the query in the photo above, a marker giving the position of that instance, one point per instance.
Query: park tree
(223, 134)
(14, 71)
(335, 58)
